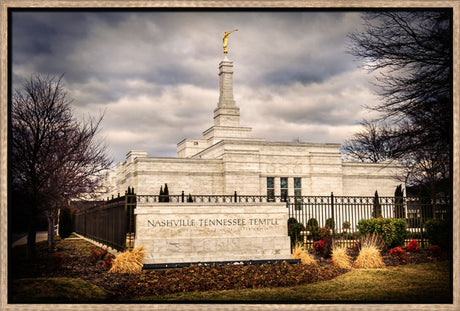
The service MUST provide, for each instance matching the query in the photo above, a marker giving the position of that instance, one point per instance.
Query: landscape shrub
(325, 233)
(369, 256)
(435, 251)
(399, 252)
(346, 225)
(323, 246)
(107, 263)
(318, 246)
(313, 228)
(330, 223)
(164, 194)
(294, 231)
(97, 254)
(437, 232)
(412, 246)
(399, 210)
(377, 208)
(65, 223)
(312, 223)
(391, 230)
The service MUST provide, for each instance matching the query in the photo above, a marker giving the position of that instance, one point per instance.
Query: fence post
(332, 213)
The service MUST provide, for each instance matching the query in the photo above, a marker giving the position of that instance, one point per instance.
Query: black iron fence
(113, 222)
(341, 213)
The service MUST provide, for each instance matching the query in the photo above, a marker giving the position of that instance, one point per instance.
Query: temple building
(228, 159)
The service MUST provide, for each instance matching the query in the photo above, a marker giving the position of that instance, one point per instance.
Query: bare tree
(410, 51)
(54, 157)
(369, 144)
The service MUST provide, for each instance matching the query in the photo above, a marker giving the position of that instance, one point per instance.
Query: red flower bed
(200, 278)
(399, 252)
(412, 246)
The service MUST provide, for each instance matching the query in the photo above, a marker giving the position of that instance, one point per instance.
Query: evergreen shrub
(330, 223)
(391, 230)
(437, 232)
(65, 223)
(313, 227)
(294, 231)
(312, 222)
(377, 208)
(346, 225)
(399, 210)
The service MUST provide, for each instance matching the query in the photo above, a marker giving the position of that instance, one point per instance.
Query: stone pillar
(226, 84)
(226, 113)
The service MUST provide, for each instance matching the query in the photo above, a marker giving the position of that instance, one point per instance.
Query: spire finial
(225, 39)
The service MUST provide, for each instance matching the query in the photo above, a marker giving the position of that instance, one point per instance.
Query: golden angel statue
(225, 40)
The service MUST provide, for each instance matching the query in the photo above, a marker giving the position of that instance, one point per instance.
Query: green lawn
(422, 283)
(56, 290)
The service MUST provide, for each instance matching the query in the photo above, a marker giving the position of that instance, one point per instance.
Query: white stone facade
(228, 159)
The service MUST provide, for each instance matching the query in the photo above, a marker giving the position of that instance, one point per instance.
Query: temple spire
(226, 113)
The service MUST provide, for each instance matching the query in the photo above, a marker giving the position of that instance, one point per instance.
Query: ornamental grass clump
(299, 252)
(129, 261)
(369, 255)
(340, 258)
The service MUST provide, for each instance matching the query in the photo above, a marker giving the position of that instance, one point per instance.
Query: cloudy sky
(154, 74)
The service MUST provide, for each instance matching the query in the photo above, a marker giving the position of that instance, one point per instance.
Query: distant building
(228, 159)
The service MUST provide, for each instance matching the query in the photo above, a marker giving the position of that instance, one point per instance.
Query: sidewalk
(41, 236)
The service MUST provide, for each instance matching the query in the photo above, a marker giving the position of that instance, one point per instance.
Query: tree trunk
(31, 236)
(32, 230)
(51, 241)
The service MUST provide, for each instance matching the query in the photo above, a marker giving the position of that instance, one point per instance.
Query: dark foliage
(164, 194)
(199, 278)
(330, 223)
(377, 208)
(312, 223)
(324, 242)
(65, 223)
(391, 230)
(294, 231)
(437, 232)
(399, 203)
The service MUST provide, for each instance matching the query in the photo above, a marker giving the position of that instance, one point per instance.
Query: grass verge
(421, 283)
(55, 290)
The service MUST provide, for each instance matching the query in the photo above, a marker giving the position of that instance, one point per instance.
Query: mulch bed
(74, 260)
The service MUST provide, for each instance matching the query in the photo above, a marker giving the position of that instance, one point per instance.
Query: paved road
(41, 236)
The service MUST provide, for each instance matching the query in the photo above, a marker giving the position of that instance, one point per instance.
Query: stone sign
(192, 232)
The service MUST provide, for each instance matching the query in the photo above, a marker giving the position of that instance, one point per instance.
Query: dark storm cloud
(155, 73)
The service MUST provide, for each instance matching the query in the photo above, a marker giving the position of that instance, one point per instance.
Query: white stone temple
(228, 159)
